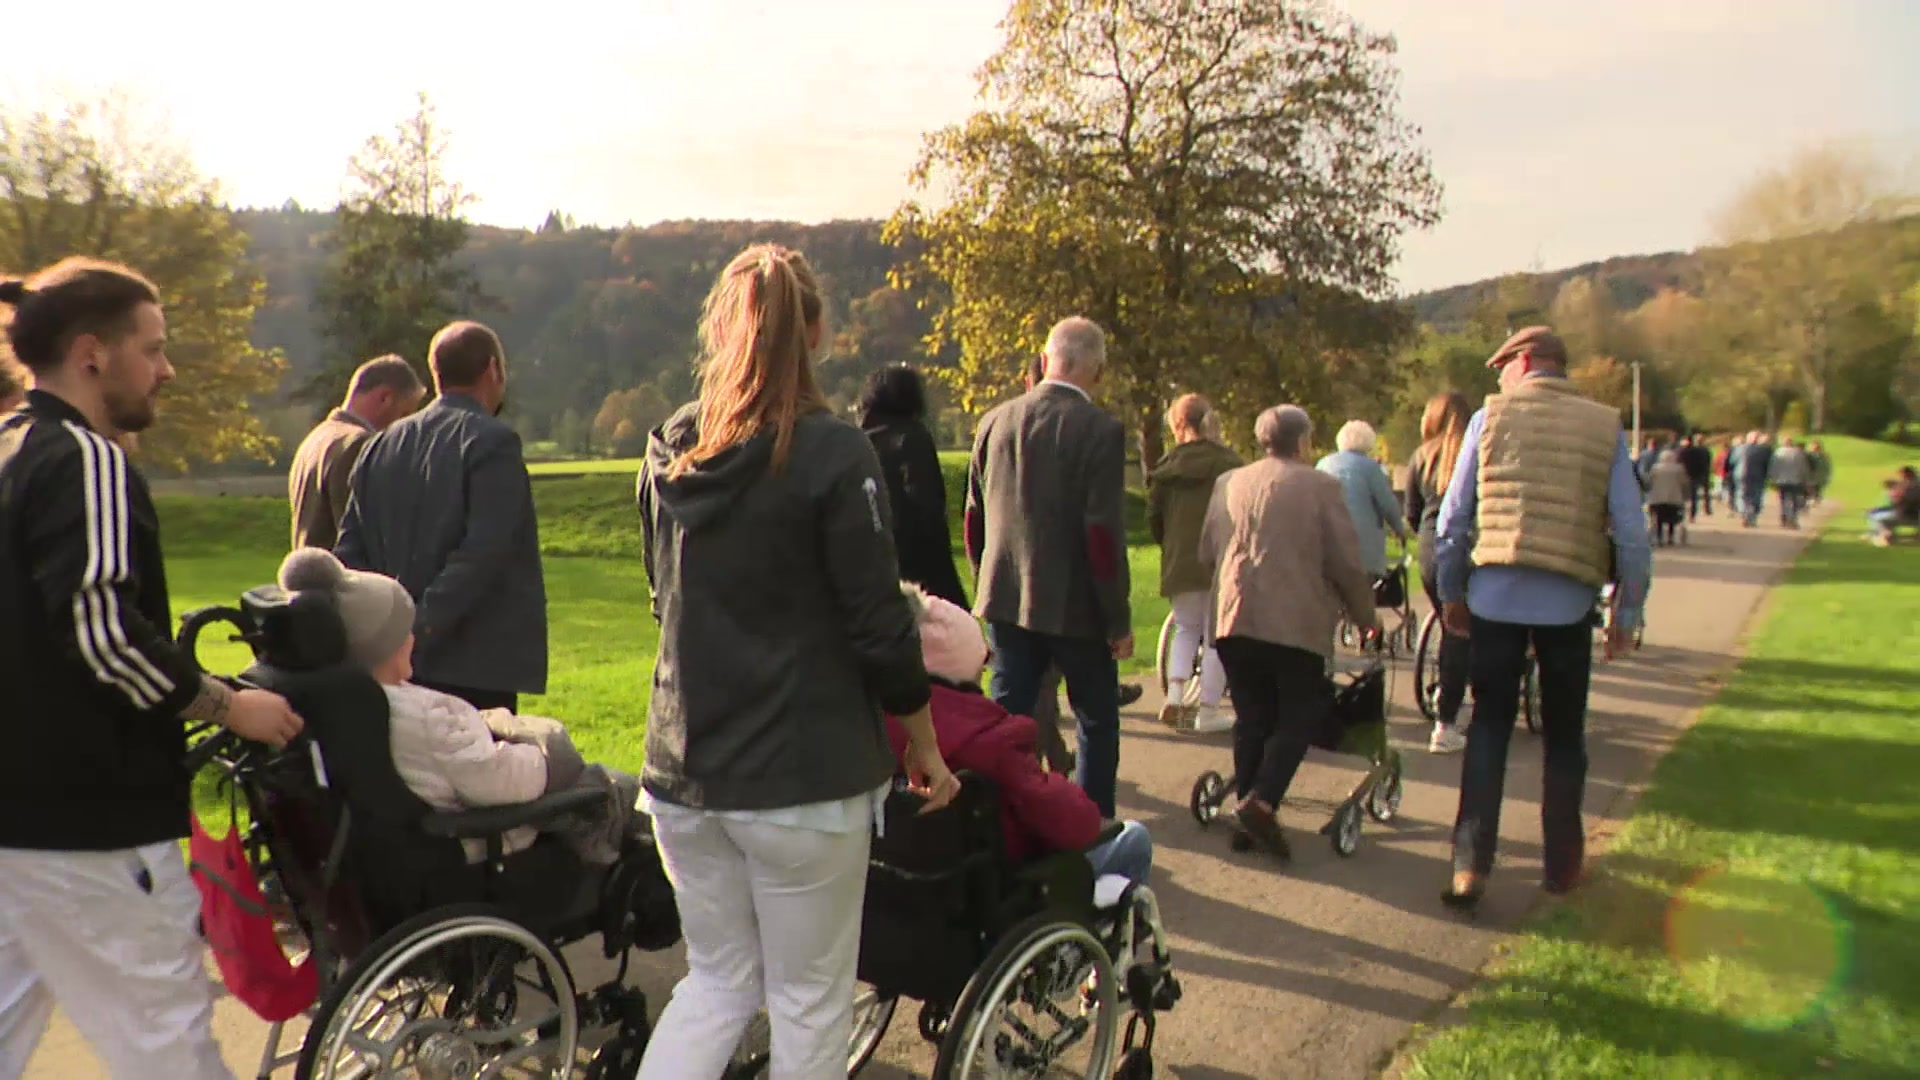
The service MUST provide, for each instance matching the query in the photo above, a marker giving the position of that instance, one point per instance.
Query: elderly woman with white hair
(1368, 492)
(1287, 564)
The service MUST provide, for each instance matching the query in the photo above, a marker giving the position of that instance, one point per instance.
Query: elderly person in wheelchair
(435, 861)
(1020, 921)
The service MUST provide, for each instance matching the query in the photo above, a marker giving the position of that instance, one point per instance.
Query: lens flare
(1764, 952)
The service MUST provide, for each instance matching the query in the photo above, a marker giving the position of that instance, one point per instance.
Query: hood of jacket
(703, 494)
(1196, 462)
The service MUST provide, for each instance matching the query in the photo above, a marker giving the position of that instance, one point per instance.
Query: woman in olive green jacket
(1178, 490)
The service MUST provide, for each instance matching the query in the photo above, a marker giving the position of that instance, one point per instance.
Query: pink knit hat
(951, 643)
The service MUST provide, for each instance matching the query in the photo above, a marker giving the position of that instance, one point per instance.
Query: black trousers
(479, 699)
(1699, 495)
(1456, 655)
(1281, 696)
(1565, 654)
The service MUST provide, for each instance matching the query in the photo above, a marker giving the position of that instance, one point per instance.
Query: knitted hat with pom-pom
(376, 609)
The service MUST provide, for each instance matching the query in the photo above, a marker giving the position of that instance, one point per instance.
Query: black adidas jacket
(92, 747)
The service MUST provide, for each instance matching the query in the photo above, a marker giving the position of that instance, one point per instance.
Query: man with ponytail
(97, 911)
(784, 638)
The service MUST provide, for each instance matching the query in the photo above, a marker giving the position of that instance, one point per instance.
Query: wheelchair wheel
(1209, 793)
(1044, 1003)
(1426, 667)
(1530, 695)
(1383, 802)
(872, 1012)
(457, 991)
(1163, 654)
(1344, 830)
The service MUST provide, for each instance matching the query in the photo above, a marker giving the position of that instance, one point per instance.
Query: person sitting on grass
(1041, 812)
(1901, 508)
(450, 754)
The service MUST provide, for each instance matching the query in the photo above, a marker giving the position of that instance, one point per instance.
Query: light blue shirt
(1527, 595)
(1370, 502)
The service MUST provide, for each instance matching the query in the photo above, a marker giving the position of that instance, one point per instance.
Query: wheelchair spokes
(1050, 1010)
(476, 998)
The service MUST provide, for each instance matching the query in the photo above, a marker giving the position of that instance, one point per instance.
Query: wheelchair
(1392, 595)
(1020, 970)
(1426, 677)
(428, 965)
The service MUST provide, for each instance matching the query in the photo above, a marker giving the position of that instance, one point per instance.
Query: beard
(132, 413)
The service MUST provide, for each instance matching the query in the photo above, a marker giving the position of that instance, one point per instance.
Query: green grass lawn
(1759, 915)
(585, 466)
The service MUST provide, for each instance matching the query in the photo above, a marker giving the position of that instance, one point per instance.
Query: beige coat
(1286, 557)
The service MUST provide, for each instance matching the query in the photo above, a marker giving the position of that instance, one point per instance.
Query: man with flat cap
(1544, 481)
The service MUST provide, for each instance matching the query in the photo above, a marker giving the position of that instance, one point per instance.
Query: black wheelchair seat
(403, 856)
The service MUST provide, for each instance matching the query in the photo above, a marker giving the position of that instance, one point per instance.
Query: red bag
(240, 930)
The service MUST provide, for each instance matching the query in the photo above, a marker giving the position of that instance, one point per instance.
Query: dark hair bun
(12, 291)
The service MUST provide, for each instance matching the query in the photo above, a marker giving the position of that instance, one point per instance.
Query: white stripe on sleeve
(96, 604)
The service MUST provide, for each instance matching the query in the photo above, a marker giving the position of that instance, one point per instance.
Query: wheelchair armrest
(493, 820)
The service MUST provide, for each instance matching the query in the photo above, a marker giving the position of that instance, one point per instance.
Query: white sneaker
(1447, 739)
(1208, 719)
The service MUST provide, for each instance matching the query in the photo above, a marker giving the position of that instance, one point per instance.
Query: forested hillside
(588, 312)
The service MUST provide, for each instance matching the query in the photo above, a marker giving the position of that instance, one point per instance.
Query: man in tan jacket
(1543, 483)
(382, 391)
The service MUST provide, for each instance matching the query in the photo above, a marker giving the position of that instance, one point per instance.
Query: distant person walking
(442, 503)
(382, 391)
(1726, 466)
(97, 911)
(1667, 488)
(893, 412)
(1178, 491)
(1046, 531)
(1545, 478)
(1820, 468)
(1696, 458)
(1443, 429)
(1789, 472)
(1756, 466)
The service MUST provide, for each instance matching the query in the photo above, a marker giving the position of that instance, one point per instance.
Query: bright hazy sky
(1564, 130)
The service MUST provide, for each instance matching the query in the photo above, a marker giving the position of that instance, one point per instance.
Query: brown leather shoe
(1262, 824)
(1465, 891)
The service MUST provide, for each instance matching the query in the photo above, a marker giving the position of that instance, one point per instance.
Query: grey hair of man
(1284, 431)
(1076, 350)
(385, 373)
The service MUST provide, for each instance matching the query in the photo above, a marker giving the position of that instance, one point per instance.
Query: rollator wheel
(1345, 835)
(1383, 802)
(1209, 792)
(1426, 667)
(1530, 695)
(1163, 654)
